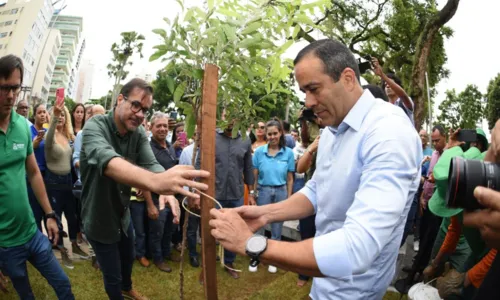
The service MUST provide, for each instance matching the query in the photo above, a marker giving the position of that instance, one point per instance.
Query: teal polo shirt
(17, 223)
(273, 170)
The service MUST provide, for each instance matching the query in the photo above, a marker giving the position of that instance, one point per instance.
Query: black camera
(364, 66)
(464, 176)
(308, 115)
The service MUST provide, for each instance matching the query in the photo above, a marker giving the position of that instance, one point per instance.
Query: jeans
(138, 215)
(160, 234)
(273, 194)
(229, 256)
(59, 189)
(192, 229)
(38, 251)
(116, 261)
(298, 184)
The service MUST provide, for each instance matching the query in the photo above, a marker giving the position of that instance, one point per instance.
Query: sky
(472, 51)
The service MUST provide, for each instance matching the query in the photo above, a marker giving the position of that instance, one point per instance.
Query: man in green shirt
(20, 239)
(116, 156)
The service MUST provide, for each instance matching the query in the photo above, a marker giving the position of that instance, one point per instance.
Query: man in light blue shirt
(367, 172)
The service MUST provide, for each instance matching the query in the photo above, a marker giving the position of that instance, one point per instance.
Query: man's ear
(119, 99)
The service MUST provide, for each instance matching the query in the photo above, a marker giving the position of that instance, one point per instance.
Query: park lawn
(87, 283)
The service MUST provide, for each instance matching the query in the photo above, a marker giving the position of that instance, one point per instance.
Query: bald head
(22, 108)
(98, 110)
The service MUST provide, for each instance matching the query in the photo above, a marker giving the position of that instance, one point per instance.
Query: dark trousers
(177, 231)
(429, 228)
(138, 215)
(59, 190)
(413, 219)
(307, 231)
(160, 234)
(193, 225)
(38, 251)
(116, 261)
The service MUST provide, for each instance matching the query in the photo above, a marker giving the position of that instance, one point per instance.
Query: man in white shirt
(367, 172)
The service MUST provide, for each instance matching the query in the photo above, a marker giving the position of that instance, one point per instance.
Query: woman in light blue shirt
(274, 165)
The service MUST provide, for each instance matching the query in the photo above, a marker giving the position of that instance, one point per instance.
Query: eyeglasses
(5, 89)
(135, 107)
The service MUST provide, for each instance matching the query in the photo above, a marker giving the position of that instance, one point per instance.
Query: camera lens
(464, 176)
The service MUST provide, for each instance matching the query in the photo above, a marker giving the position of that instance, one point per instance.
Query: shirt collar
(357, 114)
(157, 145)
(221, 132)
(266, 147)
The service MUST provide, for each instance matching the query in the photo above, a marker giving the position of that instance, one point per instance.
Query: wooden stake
(208, 118)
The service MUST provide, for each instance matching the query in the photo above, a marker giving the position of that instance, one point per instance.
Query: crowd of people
(355, 172)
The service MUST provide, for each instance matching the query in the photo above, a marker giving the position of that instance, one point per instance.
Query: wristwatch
(51, 215)
(256, 245)
(252, 193)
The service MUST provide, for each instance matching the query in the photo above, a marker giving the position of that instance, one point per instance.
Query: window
(1, 46)
(10, 34)
(8, 23)
(6, 12)
(14, 11)
(3, 34)
(15, 22)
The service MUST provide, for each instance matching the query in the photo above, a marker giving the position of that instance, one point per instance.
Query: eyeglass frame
(145, 112)
(5, 89)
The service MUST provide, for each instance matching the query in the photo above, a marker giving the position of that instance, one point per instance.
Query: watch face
(256, 244)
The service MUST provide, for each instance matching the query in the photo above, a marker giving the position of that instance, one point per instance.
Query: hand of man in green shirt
(52, 230)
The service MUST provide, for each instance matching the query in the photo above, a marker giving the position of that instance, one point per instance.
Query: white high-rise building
(46, 65)
(85, 78)
(73, 79)
(23, 29)
(71, 29)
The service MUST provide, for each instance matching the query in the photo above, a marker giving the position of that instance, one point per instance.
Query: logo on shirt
(17, 146)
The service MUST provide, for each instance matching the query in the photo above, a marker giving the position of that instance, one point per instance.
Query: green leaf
(230, 32)
(296, 31)
(190, 124)
(229, 13)
(285, 46)
(180, 3)
(167, 20)
(170, 84)
(198, 74)
(157, 55)
(160, 32)
(251, 28)
(236, 128)
(179, 91)
(210, 4)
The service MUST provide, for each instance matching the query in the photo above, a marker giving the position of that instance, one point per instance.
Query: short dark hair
(439, 128)
(376, 91)
(8, 64)
(335, 56)
(286, 126)
(136, 83)
(395, 79)
(277, 123)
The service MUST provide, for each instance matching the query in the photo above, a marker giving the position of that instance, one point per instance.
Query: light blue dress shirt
(77, 148)
(367, 172)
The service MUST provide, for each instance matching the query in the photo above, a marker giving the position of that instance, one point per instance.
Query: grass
(87, 283)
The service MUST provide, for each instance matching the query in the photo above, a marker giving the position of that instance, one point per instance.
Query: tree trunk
(424, 45)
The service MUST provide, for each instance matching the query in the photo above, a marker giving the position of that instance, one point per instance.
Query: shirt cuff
(331, 254)
(310, 193)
